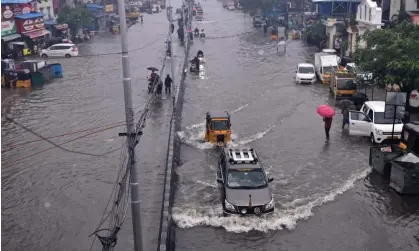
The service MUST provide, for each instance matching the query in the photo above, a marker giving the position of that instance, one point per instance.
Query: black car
(243, 184)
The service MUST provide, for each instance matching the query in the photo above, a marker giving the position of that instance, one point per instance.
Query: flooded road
(326, 197)
(53, 199)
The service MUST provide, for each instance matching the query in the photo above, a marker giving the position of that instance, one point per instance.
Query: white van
(305, 74)
(156, 8)
(370, 122)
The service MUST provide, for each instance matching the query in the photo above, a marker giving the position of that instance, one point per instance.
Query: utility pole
(131, 132)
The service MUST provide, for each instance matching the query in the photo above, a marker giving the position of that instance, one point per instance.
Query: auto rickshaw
(218, 128)
(410, 137)
(274, 34)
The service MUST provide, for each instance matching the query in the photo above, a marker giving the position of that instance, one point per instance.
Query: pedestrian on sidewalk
(168, 84)
(345, 113)
(172, 26)
(327, 125)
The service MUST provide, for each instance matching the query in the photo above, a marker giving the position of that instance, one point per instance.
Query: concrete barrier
(166, 235)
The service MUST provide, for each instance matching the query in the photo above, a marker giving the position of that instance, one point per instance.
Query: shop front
(32, 28)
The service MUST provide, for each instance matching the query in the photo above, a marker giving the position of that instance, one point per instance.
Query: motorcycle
(202, 35)
(196, 33)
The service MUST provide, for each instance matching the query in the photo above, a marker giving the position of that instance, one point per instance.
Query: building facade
(46, 7)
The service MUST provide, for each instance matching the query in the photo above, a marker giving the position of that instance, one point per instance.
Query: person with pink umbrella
(327, 113)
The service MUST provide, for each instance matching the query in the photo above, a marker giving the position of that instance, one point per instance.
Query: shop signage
(8, 28)
(8, 12)
(109, 8)
(331, 21)
(29, 25)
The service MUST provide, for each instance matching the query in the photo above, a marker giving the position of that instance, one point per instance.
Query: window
(380, 119)
(306, 70)
(346, 84)
(246, 178)
(49, 12)
(219, 125)
(41, 10)
(371, 115)
(365, 12)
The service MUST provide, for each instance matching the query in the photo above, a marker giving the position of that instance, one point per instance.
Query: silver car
(243, 183)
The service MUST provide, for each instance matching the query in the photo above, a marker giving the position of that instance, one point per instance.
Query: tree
(392, 55)
(79, 17)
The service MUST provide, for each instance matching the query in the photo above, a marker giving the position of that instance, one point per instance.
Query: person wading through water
(327, 125)
(168, 84)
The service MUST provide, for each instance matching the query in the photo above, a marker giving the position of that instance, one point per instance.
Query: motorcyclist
(195, 61)
(200, 54)
(196, 31)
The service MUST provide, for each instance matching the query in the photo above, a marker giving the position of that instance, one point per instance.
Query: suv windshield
(346, 84)
(219, 125)
(306, 70)
(246, 178)
(379, 119)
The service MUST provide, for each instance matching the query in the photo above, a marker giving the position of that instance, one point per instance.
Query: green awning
(10, 37)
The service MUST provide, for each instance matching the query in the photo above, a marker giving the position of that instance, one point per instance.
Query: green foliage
(75, 17)
(253, 5)
(315, 34)
(392, 55)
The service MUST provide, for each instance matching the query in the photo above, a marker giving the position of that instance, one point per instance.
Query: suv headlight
(270, 205)
(378, 132)
(229, 206)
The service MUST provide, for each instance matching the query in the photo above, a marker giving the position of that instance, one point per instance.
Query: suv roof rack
(242, 156)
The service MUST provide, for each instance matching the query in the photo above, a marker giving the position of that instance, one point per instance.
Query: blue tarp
(30, 15)
(95, 6)
(50, 22)
(14, 1)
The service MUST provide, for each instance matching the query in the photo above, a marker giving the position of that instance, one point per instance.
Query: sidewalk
(152, 153)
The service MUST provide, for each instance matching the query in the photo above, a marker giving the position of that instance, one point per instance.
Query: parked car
(60, 50)
(305, 74)
(371, 122)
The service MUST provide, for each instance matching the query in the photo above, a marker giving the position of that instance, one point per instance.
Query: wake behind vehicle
(243, 183)
(218, 128)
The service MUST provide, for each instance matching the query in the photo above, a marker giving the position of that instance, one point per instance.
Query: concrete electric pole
(131, 132)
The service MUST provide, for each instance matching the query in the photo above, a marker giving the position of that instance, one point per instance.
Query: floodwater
(326, 196)
(53, 199)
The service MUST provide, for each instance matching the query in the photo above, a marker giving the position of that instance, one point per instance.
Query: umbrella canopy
(325, 111)
(151, 68)
(344, 104)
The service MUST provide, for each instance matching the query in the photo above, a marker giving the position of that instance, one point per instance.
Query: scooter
(202, 35)
(196, 33)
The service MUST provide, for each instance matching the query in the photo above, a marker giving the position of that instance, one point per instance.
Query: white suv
(60, 50)
(370, 122)
(305, 74)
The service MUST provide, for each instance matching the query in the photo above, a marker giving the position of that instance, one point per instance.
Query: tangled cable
(115, 212)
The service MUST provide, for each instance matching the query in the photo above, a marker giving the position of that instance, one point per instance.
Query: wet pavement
(53, 199)
(326, 197)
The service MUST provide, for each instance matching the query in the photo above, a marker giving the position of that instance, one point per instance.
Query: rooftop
(376, 106)
(305, 65)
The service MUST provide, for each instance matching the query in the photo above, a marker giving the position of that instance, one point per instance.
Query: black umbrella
(151, 68)
(346, 103)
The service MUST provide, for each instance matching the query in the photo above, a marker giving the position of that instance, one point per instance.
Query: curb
(166, 236)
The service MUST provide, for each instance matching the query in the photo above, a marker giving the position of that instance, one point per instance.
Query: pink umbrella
(325, 111)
